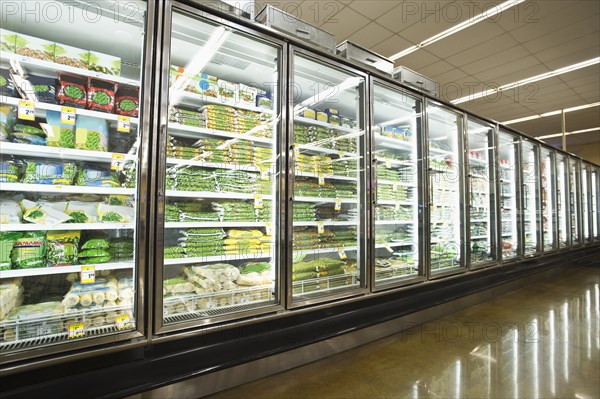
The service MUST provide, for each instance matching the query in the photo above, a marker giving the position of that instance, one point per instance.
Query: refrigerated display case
(444, 133)
(562, 203)
(508, 153)
(71, 142)
(327, 183)
(548, 197)
(585, 204)
(595, 193)
(218, 252)
(396, 166)
(530, 196)
(481, 191)
(575, 201)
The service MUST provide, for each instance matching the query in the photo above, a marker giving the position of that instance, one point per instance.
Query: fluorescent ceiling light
(532, 79)
(549, 136)
(457, 28)
(551, 113)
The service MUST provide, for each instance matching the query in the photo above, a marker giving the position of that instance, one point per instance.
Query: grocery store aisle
(541, 341)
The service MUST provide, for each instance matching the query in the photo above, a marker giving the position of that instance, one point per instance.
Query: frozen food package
(37, 213)
(71, 56)
(7, 118)
(62, 247)
(9, 172)
(29, 251)
(91, 175)
(104, 63)
(8, 41)
(93, 256)
(115, 214)
(41, 172)
(72, 90)
(7, 241)
(34, 47)
(10, 211)
(7, 84)
(28, 134)
(43, 88)
(91, 133)
(82, 212)
(127, 101)
(58, 134)
(101, 95)
(227, 90)
(264, 100)
(247, 94)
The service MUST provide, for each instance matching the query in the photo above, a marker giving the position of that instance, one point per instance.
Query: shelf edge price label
(342, 253)
(26, 110)
(268, 228)
(388, 247)
(88, 274)
(264, 173)
(122, 322)
(338, 204)
(258, 201)
(118, 162)
(388, 164)
(320, 228)
(67, 115)
(76, 330)
(321, 179)
(123, 124)
(395, 186)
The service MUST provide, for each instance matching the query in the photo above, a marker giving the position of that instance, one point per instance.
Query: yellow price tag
(321, 179)
(264, 174)
(26, 110)
(268, 228)
(388, 164)
(67, 115)
(342, 253)
(395, 187)
(258, 201)
(76, 330)
(124, 124)
(118, 162)
(122, 322)
(88, 274)
(388, 247)
(338, 204)
(320, 228)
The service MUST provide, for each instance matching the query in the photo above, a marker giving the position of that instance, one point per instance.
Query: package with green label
(91, 133)
(29, 251)
(7, 241)
(40, 172)
(71, 56)
(104, 63)
(34, 47)
(8, 41)
(58, 134)
(82, 212)
(115, 214)
(72, 90)
(43, 213)
(62, 247)
(101, 95)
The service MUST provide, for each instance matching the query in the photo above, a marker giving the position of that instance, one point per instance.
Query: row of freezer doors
(264, 201)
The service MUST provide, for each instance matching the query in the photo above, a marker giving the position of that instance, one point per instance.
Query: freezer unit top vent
(221, 59)
(416, 80)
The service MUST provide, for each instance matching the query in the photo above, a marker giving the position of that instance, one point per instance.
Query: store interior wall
(589, 152)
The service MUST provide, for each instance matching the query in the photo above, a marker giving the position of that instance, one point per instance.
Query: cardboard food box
(71, 56)
(8, 41)
(333, 117)
(104, 63)
(264, 100)
(208, 85)
(227, 90)
(309, 113)
(247, 94)
(29, 46)
(322, 116)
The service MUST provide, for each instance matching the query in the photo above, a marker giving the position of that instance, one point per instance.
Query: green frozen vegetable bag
(95, 243)
(7, 241)
(29, 251)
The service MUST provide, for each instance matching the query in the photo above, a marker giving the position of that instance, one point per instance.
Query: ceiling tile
(391, 46)
(520, 69)
(345, 23)
(406, 14)
(371, 35)
(418, 60)
(499, 60)
(374, 8)
(530, 12)
(483, 50)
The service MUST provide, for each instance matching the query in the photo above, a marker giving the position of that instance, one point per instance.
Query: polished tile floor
(542, 341)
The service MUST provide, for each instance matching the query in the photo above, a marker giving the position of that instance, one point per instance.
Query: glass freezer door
(548, 196)
(220, 173)
(481, 191)
(328, 195)
(585, 212)
(396, 131)
(562, 191)
(595, 204)
(508, 146)
(575, 201)
(69, 155)
(444, 146)
(530, 196)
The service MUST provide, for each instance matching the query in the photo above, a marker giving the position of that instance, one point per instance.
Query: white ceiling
(529, 39)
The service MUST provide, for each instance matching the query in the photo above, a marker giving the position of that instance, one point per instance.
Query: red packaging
(101, 95)
(127, 101)
(72, 90)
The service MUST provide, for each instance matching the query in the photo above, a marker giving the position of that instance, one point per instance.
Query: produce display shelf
(179, 130)
(199, 225)
(213, 195)
(78, 111)
(49, 68)
(325, 176)
(218, 258)
(43, 271)
(392, 222)
(393, 202)
(30, 150)
(314, 122)
(196, 100)
(321, 150)
(390, 142)
(190, 162)
(326, 223)
(323, 200)
(66, 226)
(58, 189)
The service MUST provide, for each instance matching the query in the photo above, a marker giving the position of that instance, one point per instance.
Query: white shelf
(49, 68)
(179, 130)
(199, 225)
(325, 176)
(478, 177)
(321, 150)
(389, 142)
(43, 271)
(395, 244)
(197, 100)
(439, 151)
(61, 189)
(322, 251)
(322, 200)
(314, 122)
(30, 150)
(66, 226)
(393, 202)
(392, 222)
(398, 183)
(78, 111)
(217, 258)
(478, 161)
(397, 162)
(326, 223)
(189, 162)
(213, 195)
(478, 237)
